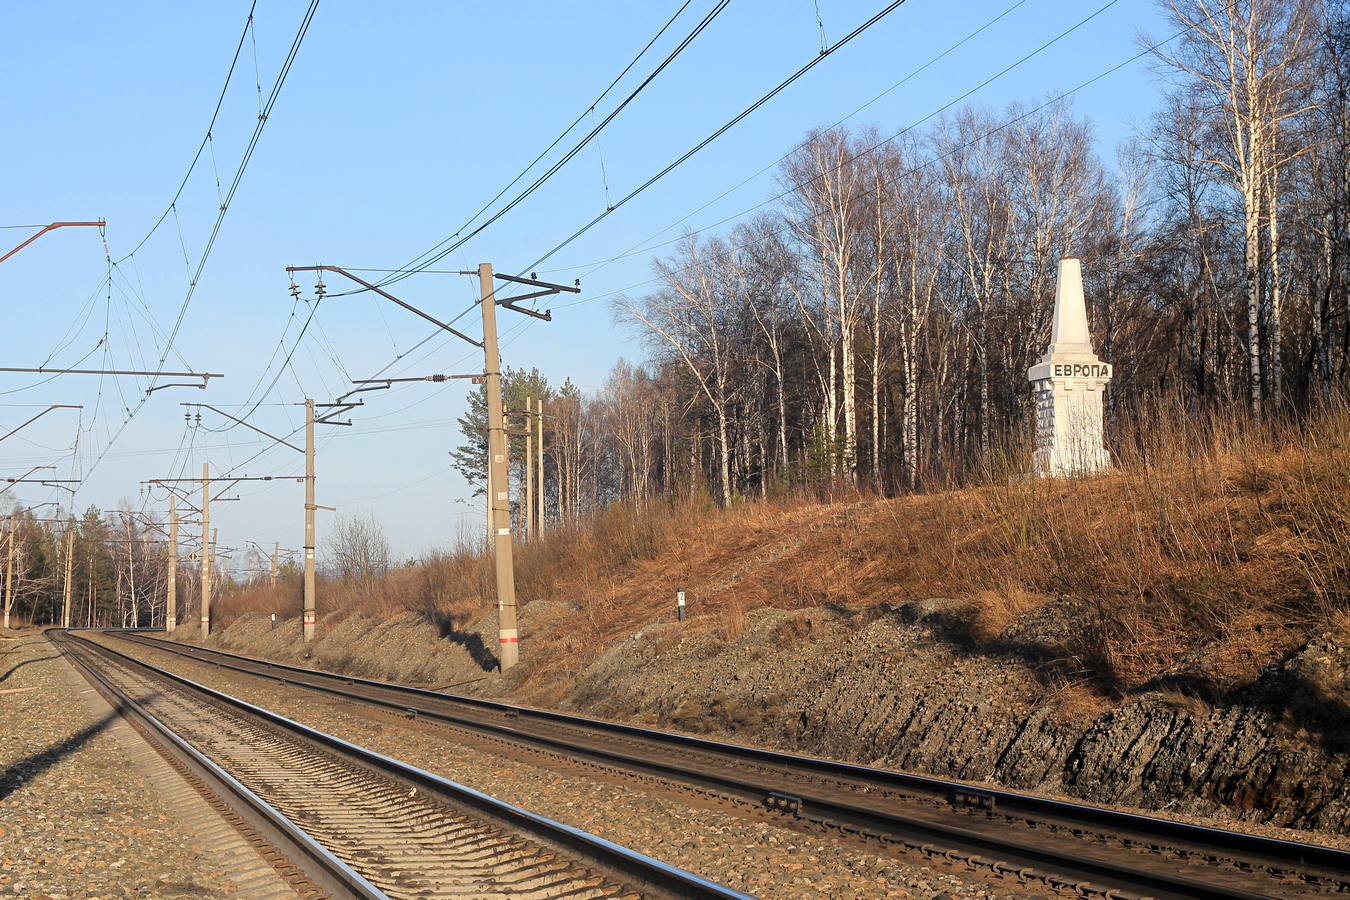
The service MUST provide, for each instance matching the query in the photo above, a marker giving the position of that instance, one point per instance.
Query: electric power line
(421, 266)
(642, 246)
(902, 132)
(220, 218)
(248, 24)
(824, 54)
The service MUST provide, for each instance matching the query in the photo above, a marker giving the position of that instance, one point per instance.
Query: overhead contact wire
(248, 24)
(436, 256)
(824, 54)
(902, 131)
(929, 162)
(215, 232)
(556, 141)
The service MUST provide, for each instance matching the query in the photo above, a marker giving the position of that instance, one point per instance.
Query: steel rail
(320, 866)
(626, 865)
(1320, 862)
(1062, 868)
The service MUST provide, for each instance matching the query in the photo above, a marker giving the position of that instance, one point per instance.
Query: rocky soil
(896, 687)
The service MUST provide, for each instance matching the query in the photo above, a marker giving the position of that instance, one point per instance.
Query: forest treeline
(873, 325)
(112, 569)
(106, 569)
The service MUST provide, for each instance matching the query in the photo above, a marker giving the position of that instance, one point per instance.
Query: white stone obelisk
(1069, 382)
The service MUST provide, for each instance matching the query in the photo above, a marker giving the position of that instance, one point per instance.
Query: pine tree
(470, 458)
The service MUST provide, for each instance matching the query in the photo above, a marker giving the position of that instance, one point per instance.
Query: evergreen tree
(94, 592)
(470, 458)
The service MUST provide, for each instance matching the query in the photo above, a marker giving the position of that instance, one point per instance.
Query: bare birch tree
(685, 321)
(828, 208)
(1250, 62)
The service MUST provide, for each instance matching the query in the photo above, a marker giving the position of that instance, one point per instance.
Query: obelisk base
(1069, 438)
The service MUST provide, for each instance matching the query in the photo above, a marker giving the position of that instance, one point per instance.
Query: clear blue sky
(394, 126)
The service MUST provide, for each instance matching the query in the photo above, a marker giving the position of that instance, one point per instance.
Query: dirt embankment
(893, 686)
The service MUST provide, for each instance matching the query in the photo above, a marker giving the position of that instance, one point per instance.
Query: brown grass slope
(1202, 559)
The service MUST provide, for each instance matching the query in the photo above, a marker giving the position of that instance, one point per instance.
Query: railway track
(1084, 850)
(343, 822)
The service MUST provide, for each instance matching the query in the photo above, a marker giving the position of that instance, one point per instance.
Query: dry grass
(989, 613)
(451, 589)
(1208, 552)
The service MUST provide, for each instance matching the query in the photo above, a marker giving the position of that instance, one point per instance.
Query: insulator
(295, 290)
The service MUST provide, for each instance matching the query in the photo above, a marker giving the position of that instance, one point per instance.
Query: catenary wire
(215, 232)
(644, 245)
(433, 256)
(556, 141)
(205, 140)
(910, 127)
(824, 54)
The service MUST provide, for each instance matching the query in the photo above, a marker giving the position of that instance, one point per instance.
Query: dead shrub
(793, 631)
(733, 620)
(990, 613)
(1075, 703)
(1186, 702)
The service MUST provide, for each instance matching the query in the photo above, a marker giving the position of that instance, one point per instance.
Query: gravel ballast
(757, 857)
(80, 819)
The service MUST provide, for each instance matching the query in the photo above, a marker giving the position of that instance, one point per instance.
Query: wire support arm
(549, 289)
(245, 424)
(204, 376)
(231, 478)
(380, 384)
(40, 415)
(100, 223)
(386, 295)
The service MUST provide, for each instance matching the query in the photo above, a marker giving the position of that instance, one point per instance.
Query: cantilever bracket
(548, 288)
(510, 303)
(160, 387)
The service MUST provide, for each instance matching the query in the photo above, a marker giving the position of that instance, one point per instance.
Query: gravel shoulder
(78, 818)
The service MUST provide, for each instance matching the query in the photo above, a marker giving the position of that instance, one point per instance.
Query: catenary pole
(206, 550)
(70, 553)
(171, 602)
(528, 512)
(309, 520)
(539, 519)
(499, 497)
(488, 505)
(215, 537)
(9, 572)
